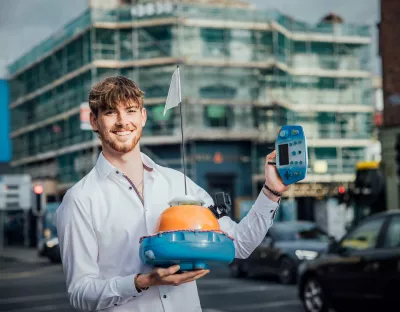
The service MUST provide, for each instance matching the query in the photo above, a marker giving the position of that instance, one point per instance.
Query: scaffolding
(245, 73)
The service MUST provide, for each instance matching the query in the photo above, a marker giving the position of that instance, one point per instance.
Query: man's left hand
(273, 179)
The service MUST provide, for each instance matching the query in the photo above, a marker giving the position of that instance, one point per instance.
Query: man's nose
(122, 119)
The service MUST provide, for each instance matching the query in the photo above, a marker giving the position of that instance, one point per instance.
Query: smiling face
(120, 128)
(117, 113)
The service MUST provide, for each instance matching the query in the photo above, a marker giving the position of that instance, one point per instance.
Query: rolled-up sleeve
(251, 230)
(79, 251)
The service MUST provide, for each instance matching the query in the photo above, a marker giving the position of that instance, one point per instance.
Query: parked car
(360, 272)
(285, 246)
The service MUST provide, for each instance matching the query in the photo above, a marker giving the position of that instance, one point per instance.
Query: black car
(285, 246)
(359, 272)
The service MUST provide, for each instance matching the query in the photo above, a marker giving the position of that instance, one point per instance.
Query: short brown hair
(111, 91)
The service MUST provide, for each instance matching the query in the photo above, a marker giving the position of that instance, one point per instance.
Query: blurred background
(247, 68)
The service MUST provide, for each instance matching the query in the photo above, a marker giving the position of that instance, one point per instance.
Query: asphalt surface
(35, 287)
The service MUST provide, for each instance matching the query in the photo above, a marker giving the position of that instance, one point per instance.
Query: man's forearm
(271, 196)
(251, 230)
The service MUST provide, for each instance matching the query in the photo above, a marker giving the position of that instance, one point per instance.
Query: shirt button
(117, 172)
(115, 304)
(165, 296)
(130, 187)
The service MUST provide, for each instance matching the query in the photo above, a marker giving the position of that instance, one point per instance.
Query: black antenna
(183, 141)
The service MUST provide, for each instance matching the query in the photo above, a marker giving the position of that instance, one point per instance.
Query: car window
(284, 234)
(313, 233)
(363, 237)
(392, 239)
(298, 232)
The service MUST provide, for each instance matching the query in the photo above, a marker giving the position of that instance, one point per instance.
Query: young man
(103, 216)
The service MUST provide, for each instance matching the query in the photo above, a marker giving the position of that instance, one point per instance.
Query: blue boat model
(191, 249)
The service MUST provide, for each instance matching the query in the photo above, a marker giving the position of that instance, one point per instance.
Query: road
(36, 287)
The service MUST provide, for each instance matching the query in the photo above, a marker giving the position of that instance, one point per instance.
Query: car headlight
(306, 254)
(47, 233)
(52, 242)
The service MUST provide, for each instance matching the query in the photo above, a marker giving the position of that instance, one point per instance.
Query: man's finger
(179, 278)
(166, 272)
(190, 274)
(196, 277)
(271, 156)
(173, 269)
(198, 274)
(201, 275)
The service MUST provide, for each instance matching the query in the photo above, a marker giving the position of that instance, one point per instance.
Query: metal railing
(128, 14)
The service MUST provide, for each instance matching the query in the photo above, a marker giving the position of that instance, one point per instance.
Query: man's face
(120, 129)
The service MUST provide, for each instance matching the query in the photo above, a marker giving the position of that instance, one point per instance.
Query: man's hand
(273, 179)
(159, 276)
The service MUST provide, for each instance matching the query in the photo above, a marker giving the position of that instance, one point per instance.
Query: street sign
(15, 192)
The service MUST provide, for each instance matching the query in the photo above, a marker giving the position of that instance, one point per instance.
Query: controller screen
(283, 154)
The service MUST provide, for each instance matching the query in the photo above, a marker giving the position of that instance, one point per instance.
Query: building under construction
(244, 72)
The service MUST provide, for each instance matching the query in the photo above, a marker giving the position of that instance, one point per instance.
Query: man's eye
(131, 110)
(109, 113)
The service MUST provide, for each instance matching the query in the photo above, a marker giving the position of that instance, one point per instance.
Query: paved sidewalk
(21, 254)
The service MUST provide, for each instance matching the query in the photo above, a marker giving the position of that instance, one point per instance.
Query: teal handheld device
(291, 154)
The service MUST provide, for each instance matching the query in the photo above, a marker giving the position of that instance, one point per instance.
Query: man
(103, 216)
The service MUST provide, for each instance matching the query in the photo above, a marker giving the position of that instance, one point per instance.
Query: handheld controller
(291, 154)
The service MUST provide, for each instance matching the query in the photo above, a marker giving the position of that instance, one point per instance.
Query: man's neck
(129, 163)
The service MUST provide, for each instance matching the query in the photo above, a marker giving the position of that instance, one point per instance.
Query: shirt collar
(104, 167)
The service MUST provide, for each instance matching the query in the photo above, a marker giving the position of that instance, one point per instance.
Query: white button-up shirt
(100, 222)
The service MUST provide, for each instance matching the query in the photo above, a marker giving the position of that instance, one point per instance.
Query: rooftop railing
(147, 12)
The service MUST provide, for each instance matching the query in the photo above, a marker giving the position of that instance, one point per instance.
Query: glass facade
(242, 70)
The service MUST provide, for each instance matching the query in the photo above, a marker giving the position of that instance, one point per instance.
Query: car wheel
(314, 298)
(286, 271)
(238, 270)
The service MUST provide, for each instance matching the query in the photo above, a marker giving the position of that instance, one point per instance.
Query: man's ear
(144, 117)
(93, 122)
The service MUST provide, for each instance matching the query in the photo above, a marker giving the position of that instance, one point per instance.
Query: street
(39, 286)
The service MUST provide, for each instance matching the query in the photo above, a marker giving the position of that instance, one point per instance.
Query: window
(392, 239)
(218, 116)
(282, 233)
(313, 233)
(363, 237)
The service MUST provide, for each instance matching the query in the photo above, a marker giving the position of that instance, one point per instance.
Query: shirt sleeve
(251, 230)
(79, 251)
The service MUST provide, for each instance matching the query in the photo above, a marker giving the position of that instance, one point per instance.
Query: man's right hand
(160, 276)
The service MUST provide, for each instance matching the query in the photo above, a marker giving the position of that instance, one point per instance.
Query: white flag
(174, 93)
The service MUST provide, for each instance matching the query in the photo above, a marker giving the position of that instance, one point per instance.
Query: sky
(25, 23)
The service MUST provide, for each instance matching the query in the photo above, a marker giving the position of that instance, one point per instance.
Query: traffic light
(39, 201)
(343, 195)
(397, 148)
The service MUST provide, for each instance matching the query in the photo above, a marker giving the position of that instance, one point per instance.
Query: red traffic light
(341, 189)
(38, 189)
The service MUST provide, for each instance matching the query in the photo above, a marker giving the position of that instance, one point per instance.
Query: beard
(111, 140)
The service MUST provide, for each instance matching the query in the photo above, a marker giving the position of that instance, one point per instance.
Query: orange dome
(187, 217)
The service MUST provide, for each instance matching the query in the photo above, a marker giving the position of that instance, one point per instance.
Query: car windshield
(313, 233)
(299, 232)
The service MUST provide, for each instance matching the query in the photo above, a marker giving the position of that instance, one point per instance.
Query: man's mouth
(123, 133)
